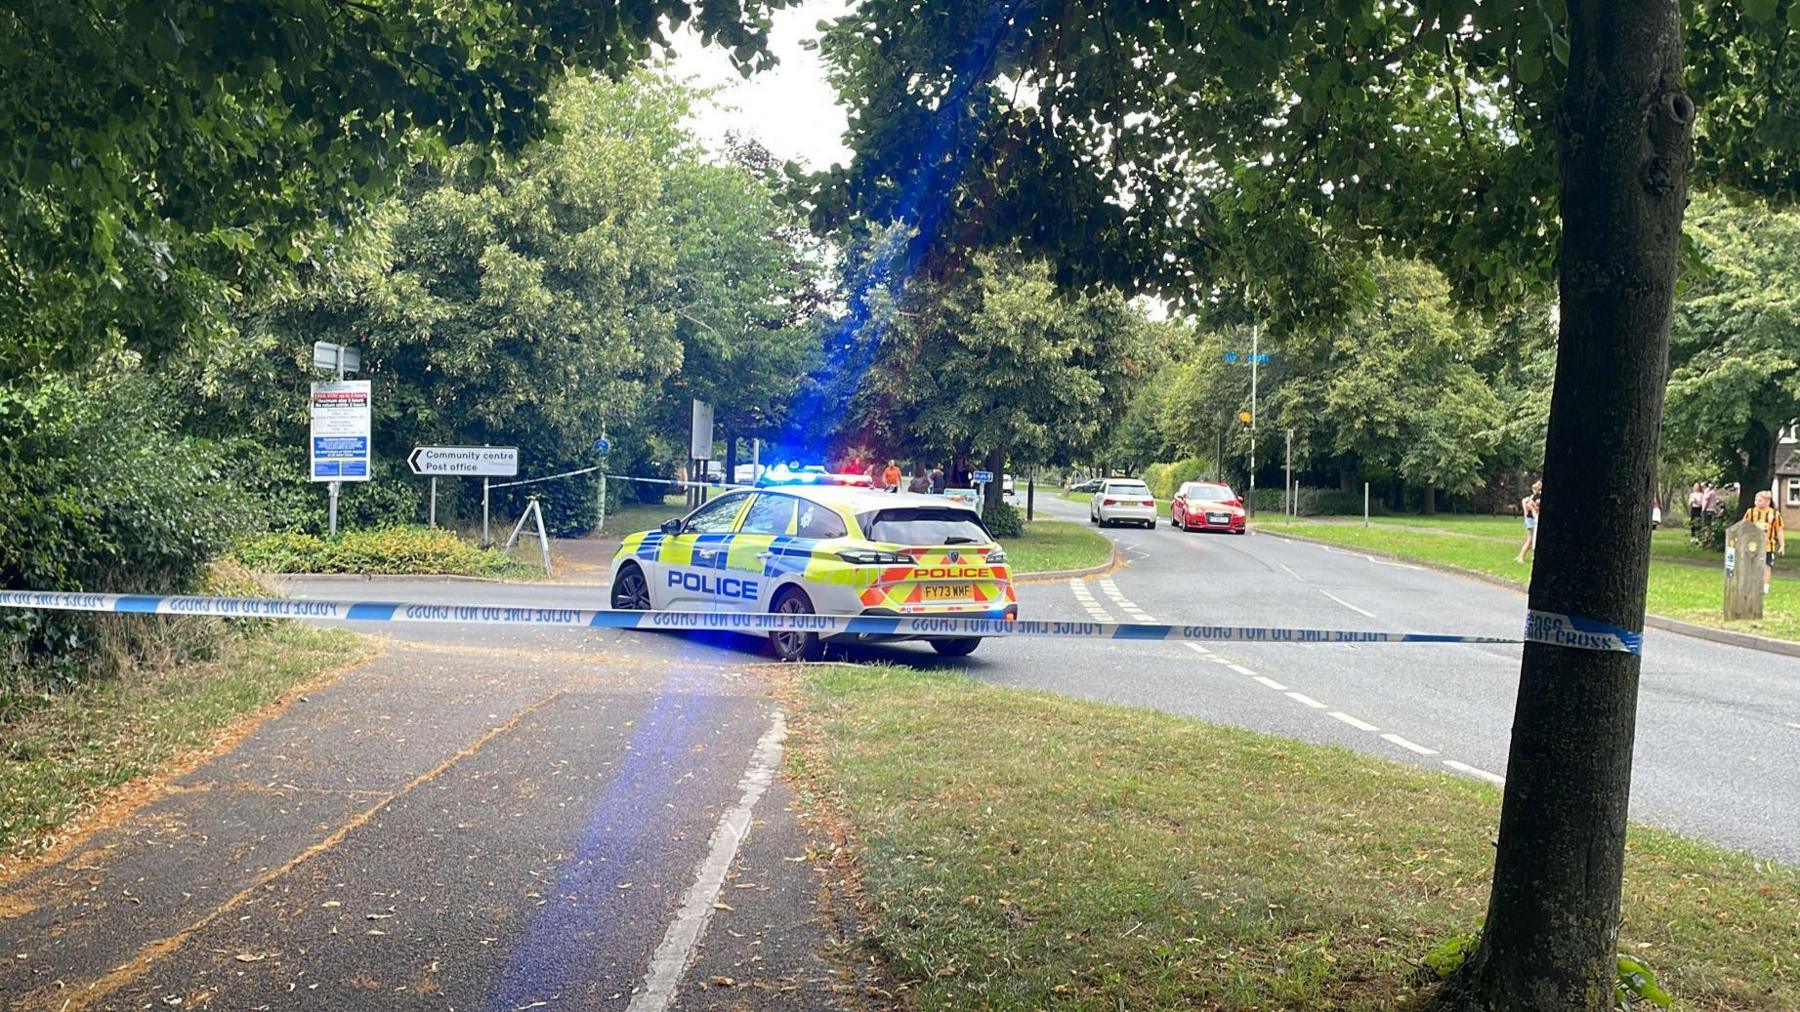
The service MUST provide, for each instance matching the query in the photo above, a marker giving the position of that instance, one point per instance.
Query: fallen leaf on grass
(251, 957)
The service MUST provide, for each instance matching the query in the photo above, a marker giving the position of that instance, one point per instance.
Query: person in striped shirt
(1768, 519)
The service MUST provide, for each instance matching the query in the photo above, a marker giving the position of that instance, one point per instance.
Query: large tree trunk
(731, 455)
(1428, 505)
(1757, 470)
(996, 463)
(1550, 941)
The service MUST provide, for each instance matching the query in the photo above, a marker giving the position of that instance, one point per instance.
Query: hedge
(394, 551)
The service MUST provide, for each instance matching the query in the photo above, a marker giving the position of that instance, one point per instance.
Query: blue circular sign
(602, 445)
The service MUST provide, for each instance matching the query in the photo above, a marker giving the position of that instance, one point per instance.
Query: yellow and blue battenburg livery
(833, 550)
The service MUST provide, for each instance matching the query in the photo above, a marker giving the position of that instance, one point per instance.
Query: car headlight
(871, 557)
(996, 556)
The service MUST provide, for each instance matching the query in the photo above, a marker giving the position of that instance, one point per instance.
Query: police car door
(690, 563)
(754, 559)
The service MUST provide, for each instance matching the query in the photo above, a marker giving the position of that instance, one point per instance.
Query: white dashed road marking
(1492, 778)
(1347, 604)
(1306, 700)
(1125, 604)
(1197, 648)
(1291, 572)
(1085, 598)
(1360, 725)
(1410, 746)
(1240, 669)
(1270, 682)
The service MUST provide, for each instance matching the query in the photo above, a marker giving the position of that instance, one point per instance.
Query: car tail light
(1106, 502)
(1148, 502)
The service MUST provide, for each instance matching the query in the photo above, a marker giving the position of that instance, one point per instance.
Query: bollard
(1743, 571)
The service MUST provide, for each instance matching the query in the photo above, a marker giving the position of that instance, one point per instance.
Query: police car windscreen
(925, 525)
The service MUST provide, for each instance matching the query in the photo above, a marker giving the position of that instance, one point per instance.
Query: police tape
(827, 625)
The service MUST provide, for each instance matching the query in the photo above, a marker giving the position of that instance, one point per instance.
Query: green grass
(1052, 545)
(1666, 542)
(643, 516)
(1678, 589)
(1059, 853)
(59, 754)
(399, 551)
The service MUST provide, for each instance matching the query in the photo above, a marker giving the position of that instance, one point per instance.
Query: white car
(1123, 501)
(821, 549)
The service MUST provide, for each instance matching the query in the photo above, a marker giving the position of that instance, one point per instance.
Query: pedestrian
(1696, 507)
(890, 478)
(1655, 515)
(1715, 503)
(1768, 520)
(1529, 507)
(875, 475)
(937, 481)
(921, 480)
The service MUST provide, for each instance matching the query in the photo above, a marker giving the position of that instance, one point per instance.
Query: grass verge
(1060, 853)
(59, 754)
(1677, 589)
(390, 551)
(1053, 545)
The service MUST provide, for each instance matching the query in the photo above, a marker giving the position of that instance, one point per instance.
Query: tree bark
(1551, 935)
(996, 462)
(1428, 503)
(1757, 471)
(731, 456)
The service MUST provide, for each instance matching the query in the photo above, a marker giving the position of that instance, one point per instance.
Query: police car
(820, 549)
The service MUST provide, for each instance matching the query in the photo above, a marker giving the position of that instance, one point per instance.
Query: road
(491, 818)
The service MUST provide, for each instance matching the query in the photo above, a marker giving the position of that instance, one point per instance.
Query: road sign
(339, 440)
(1245, 416)
(339, 358)
(980, 476)
(465, 461)
(1232, 356)
(602, 445)
(702, 447)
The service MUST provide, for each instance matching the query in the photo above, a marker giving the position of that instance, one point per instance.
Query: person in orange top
(891, 476)
(1766, 517)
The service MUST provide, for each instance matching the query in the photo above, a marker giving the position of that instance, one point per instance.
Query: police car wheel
(957, 647)
(795, 646)
(631, 592)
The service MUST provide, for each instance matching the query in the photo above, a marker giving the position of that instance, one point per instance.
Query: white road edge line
(1347, 604)
(1410, 746)
(1270, 682)
(1197, 648)
(1794, 725)
(1240, 669)
(1360, 725)
(1306, 700)
(1492, 778)
(670, 960)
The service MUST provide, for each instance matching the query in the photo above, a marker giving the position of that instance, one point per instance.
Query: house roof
(1787, 461)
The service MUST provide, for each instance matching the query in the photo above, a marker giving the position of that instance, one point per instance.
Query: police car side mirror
(672, 525)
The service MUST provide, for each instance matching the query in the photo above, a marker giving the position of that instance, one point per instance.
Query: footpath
(498, 821)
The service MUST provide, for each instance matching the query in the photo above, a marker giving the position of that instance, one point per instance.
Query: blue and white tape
(1580, 633)
(399, 611)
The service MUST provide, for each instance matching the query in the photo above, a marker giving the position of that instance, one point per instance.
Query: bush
(1164, 479)
(390, 550)
(1003, 521)
(101, 495)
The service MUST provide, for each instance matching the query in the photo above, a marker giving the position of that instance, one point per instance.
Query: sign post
(1743, 571)
(485, 462)
(338, 442)
(602, 446)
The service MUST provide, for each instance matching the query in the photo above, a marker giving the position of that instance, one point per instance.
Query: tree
(1736, 341)
(163, 159)
(1166, 146)
(999, 365)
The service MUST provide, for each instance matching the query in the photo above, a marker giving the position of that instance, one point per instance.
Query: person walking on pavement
(921, 480)
(890, 478)
(1529, 507)
(1696, 507)
(1768, 520)
(937, 481)
(875, 475)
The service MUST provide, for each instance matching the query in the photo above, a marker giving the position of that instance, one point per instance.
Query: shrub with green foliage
(1164, 479)
(101, 494)
(1003, 521)
(389, 550)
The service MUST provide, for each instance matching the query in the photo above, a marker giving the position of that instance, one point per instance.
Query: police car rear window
(924, 525)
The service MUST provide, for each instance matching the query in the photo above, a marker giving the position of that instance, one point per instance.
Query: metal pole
(543, 538)
(600, 527)
(433, 519)
(1365, 504)
(336, 486)
(755, 460)
(1293, 501)
(1031, 495)
(1255, 332)
(485, 540)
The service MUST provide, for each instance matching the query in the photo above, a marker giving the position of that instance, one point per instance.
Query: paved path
(470, 822)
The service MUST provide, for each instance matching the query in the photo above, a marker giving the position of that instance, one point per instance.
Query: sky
(791, 109)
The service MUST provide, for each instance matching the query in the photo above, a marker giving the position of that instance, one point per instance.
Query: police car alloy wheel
(795, 646)
(631, 592)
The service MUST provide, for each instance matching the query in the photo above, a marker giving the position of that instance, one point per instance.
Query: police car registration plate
(947, 592)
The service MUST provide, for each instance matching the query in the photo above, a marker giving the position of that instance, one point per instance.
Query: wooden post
(1744, 571)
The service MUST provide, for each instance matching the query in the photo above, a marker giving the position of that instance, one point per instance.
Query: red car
(1207, 506)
